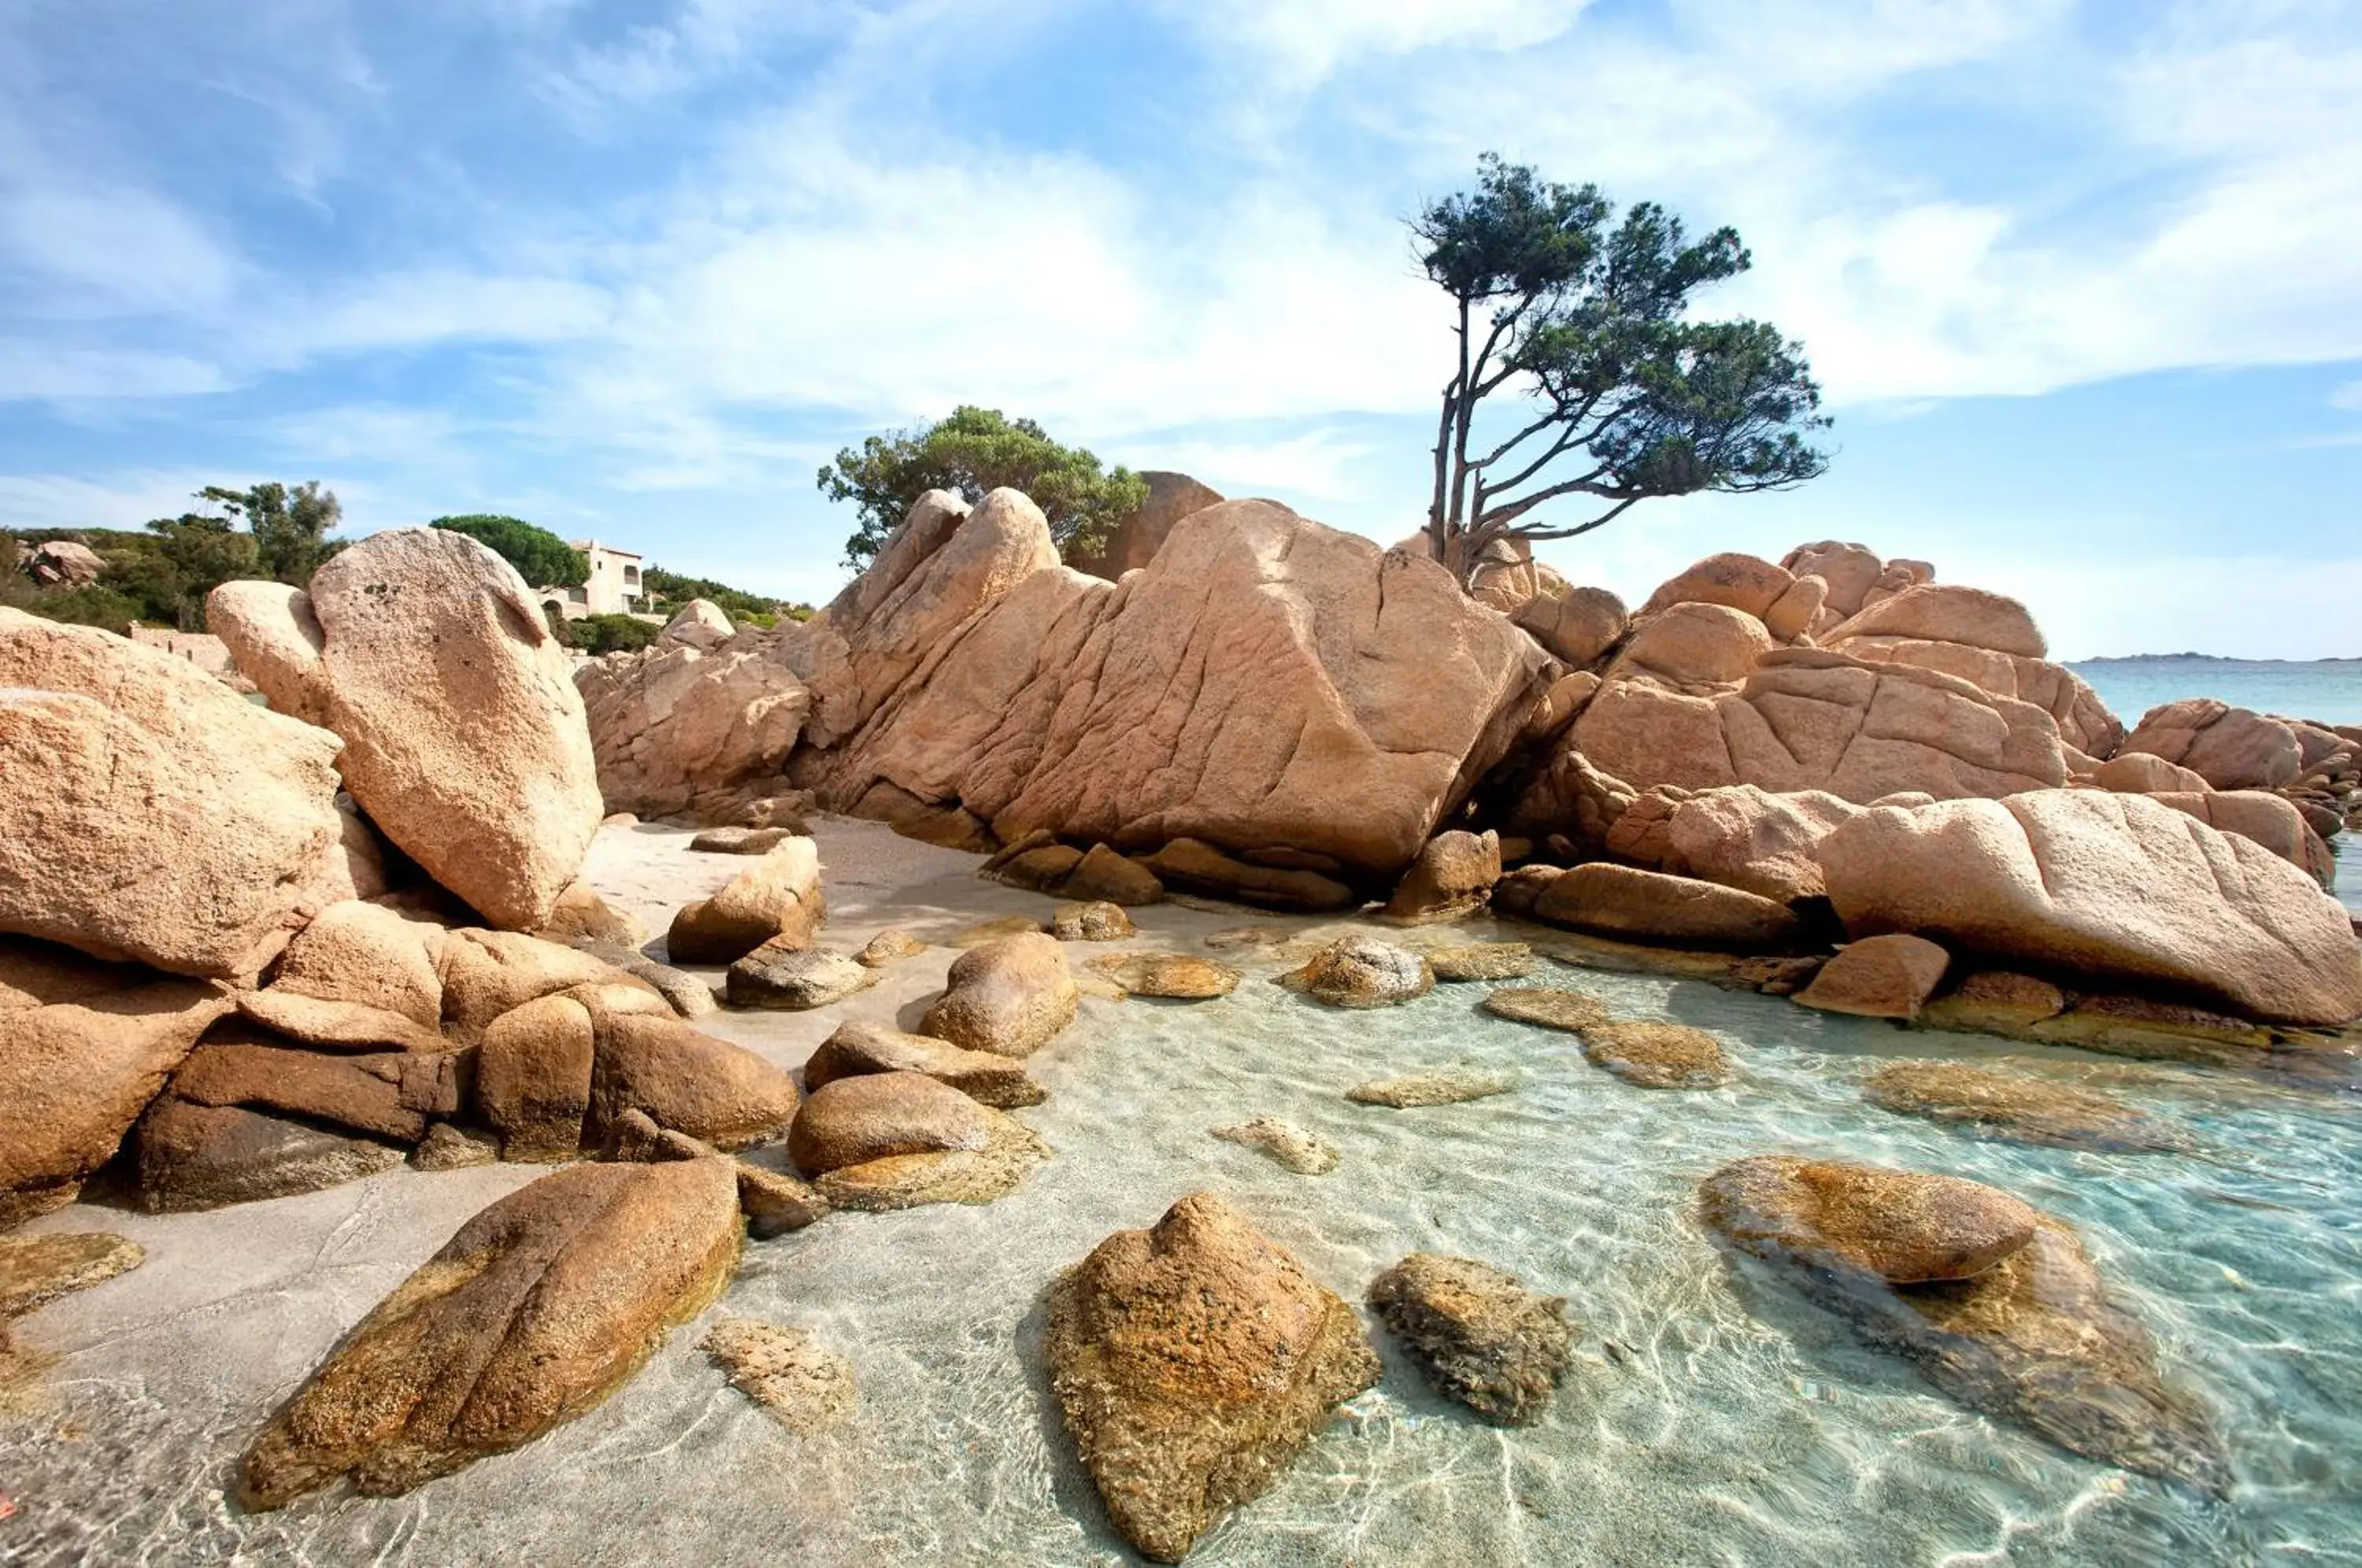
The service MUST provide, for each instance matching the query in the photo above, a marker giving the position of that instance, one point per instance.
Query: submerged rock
(1282, 1143)
(799, 1382)
(533, 1313)
(2031, 1336)
(1994, 1001)
(1482, 961)
(1098, 922)
(1010, 996)
(449, 1148)
(1192, 1362)
(1178, 976)
(1479, 1335)
(860, 1048)
(1361, 971)
(36, 1270)
(1442, 1086)
(2010, 1104)
(889, 947)
(1553, 1008)
(1657, 1055)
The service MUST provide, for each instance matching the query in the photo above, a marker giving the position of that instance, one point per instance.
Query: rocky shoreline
(254, 953)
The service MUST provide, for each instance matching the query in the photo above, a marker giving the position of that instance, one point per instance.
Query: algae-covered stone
(1482, 961)
(1476, 1332)
(1361, 971)
(1179, 977)
(803, 1383)
(1548, 1006)
(1443, 1086)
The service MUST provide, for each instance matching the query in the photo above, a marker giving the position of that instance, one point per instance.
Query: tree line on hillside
(160, 576)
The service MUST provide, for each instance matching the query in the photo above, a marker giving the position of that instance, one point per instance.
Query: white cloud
(110, 250)
(1303, 40)
(30, 371)
(1323, 465)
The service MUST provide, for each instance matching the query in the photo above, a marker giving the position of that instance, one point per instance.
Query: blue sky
(2083, 282)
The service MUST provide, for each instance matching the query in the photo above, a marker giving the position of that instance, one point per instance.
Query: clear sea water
(2327, 690)
(1713, 1417)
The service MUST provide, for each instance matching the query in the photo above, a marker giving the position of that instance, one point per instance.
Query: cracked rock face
(151, 813)
(1193, 1361)
(1479, 1335)
(1264, 680)
(533, 1312)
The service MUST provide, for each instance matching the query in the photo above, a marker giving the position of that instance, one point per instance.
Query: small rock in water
(1361, 971)
(1879, 976)
(993, 930)
(794, 979)
(803, 1382)
(889, 947)
(1553, 1008)
(2030, 1109)
(898, 1140)
(36, 1270)
(1481, 1337)
(1482, 961)
(1098, 922)
(775, 1202)
(1193, 1362)
(449, 1148)
(740, 840)
(1247, 937)
(1283, 1143)
(1658, 1055)
(1009, 996)
(1444, 1086)
(1178, 976)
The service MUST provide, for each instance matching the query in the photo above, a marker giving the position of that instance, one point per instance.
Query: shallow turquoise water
(1713, 1417)
(2327, 692)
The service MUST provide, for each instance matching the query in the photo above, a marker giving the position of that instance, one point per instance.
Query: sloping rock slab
(536, 1310)
(2034, 1339)
(1192, 1362)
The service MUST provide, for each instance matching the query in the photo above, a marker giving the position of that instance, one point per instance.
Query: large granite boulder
(1741, 583)
(84, 1047)
(1265, 681)
(533, 1312)
(1739, 837)
(690, 727)
(465, 739)
(1819, 719)
(2113, 886)
(2019, 1326)
(148, 811)
(2231, 748)
(1192, 1362)
(1948, 613)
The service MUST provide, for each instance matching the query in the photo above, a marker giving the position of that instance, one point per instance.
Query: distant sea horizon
(2326, 690)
